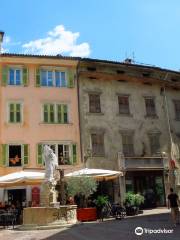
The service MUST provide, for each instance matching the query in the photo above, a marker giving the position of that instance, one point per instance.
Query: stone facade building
(130, 119)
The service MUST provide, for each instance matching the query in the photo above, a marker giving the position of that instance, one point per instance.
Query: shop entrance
(16, 196)
(149, 184)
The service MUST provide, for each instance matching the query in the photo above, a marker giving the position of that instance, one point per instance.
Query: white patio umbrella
(21, 178)
(98, 174)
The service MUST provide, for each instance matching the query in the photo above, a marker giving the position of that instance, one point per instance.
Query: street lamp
(1, 40)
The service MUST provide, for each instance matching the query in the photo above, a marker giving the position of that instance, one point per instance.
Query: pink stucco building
(38, 105)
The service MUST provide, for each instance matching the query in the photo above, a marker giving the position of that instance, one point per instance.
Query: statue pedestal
(48, 194)
(49, 217)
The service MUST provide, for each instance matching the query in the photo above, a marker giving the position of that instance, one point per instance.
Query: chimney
(1, 40)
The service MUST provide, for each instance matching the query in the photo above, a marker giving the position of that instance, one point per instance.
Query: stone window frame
(129, 146)
(149, 112)
(158, 145)
(100, 132)
(127, 111)
(94, 103)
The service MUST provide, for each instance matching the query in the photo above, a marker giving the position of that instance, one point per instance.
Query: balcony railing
(144, 162)
(137, 162)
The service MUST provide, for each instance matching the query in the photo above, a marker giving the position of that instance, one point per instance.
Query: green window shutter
(11, 112)
(65, 113)
(3, 160)
(39, 154)
(70, 78)
(18, 112)
(74, 153)
(38, 78)
(5, 70)
(52, 113)
(25, 76)
(59, 113)
(45, 113)
(26, 154)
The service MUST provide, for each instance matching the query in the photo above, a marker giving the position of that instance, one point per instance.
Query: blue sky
(104, 29)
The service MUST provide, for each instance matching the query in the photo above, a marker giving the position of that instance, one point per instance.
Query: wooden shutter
(70, 80)
(26, 153)
(74, 153)
(5, 70)
(51, 113)
(3, 159)
(59, 113)
(38, 78)
(45, 113)
(11, 112)
(39, 154)
(25, 76)
(64, 113)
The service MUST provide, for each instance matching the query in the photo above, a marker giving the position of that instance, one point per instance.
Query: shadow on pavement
(121, 229)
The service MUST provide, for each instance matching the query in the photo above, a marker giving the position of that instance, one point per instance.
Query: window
(97, 141)
(94, 103)
(128, 144)
(150, 106)
(154, 144)
(15, 155)
(55, 113)
(177, 109)
(53, 78)
(15, 76)
(65, 152)
(123, 104)
(15, 112)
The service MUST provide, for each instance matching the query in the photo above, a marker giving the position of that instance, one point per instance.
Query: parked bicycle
(113, 210)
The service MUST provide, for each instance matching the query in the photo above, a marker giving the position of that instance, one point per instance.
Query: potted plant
(130, 204)
(100, 202)
(138, 201)
(83, 187)
(133, 202)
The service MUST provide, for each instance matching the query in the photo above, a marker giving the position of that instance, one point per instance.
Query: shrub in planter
(138, 201)
(82, 186)
(132, 203)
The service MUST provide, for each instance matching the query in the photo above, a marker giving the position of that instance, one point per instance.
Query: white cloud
(58, 41)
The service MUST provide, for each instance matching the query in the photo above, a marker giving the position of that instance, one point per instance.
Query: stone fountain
(50, 214)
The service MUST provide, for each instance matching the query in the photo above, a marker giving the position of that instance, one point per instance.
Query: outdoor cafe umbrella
(21, 178)
(98, 174)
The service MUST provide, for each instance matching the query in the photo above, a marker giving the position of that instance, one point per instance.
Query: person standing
(173, 202)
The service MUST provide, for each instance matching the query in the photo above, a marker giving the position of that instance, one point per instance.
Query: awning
(98, 174)
(22, 178)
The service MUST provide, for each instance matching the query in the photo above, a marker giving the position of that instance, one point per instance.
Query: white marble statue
(51, 163)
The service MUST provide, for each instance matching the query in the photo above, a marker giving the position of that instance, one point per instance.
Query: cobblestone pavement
(107, 230)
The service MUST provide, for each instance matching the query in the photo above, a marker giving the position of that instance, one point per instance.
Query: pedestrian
(173, 202)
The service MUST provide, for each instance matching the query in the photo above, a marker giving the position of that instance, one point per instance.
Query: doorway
(16, 196)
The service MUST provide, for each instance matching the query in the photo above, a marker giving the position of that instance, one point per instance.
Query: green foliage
(139, 199)
(101, 201)
(132, 199)
(81, 185)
